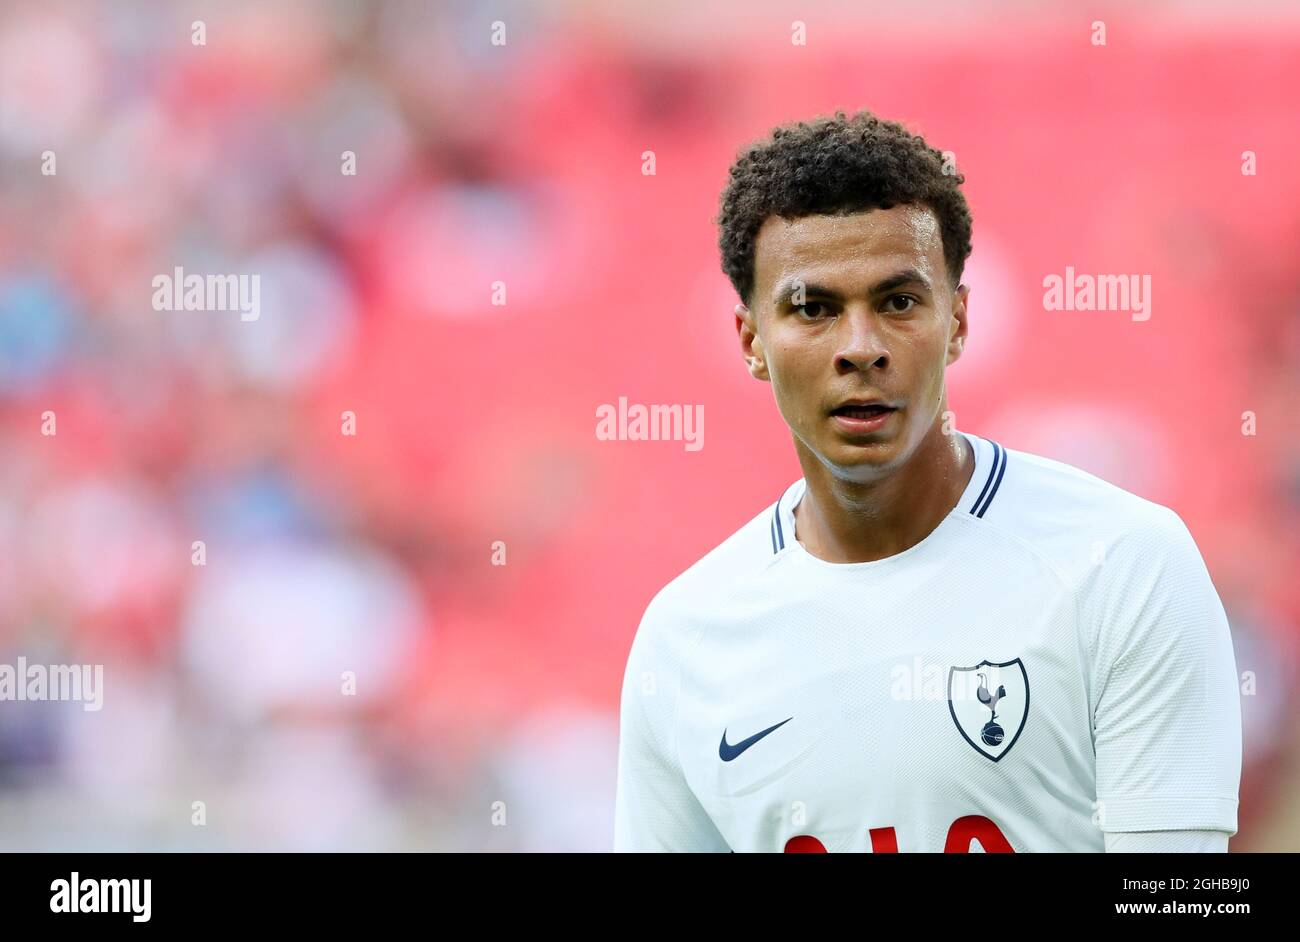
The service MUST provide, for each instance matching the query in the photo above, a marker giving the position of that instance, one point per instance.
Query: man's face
(877, 319)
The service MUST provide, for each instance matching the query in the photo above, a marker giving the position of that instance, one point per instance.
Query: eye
(892, 307)
(811, 310)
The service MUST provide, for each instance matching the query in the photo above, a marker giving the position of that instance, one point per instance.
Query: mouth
(867, 411)
(858, 416)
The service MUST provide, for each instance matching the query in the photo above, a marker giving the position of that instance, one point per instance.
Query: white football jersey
(1051, 663)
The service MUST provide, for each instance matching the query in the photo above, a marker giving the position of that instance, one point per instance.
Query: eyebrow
(908, 276)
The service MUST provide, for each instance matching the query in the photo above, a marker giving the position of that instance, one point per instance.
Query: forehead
(848, 249)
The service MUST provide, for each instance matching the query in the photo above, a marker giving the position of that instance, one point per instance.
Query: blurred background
(485, 708)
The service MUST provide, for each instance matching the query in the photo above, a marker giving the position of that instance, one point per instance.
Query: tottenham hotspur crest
(989, 703)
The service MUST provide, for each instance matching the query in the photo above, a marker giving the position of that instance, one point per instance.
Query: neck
(859, 521)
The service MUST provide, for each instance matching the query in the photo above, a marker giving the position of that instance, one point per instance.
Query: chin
(863, 456)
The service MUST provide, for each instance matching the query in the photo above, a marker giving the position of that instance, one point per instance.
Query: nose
(861, 344)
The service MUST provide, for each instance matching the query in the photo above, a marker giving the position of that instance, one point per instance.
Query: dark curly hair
(834, 166)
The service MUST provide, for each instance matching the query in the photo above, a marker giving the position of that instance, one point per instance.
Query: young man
(930, 642)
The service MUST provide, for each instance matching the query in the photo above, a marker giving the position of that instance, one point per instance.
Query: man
(930, 642)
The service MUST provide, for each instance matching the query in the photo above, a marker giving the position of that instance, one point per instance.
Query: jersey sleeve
(1165, 700)
(655, 809)
(1166, 842)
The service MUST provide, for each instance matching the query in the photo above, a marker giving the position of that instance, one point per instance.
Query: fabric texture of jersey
(1050, 664)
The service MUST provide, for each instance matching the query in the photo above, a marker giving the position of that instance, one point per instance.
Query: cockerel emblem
(989, 703)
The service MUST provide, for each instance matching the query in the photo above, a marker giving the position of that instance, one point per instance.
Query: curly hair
(835, 166)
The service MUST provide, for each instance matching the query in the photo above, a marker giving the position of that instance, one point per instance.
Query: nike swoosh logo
(726, 753)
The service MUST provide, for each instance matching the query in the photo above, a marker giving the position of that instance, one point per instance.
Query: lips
(862, 417)
(862, 409)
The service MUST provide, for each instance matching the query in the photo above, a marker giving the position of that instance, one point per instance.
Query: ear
(751, 344)
(957, 329)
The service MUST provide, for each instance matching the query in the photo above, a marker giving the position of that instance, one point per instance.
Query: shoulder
(1132, 565)
(682, 607)
(1077, 520)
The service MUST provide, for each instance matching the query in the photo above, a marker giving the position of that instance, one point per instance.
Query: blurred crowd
(308, 641)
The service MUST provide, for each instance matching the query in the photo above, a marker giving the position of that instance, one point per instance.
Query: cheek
(929, 352)
(792, 369)
(935, 366)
